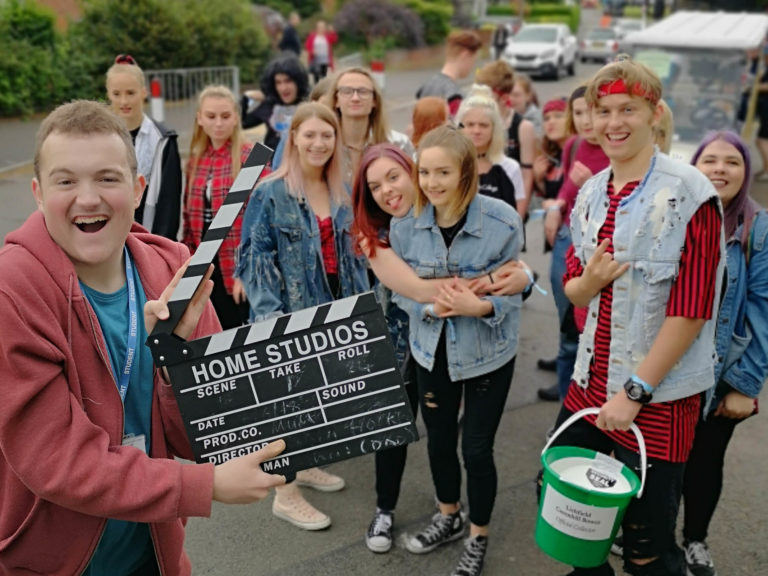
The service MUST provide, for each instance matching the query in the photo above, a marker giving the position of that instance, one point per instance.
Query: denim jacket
(491, 236)
(281, 260)
(397, 324)
(742, 325)
(650, 229)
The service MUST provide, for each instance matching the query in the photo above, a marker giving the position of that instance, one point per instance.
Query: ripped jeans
(649, 523)
(484, 398)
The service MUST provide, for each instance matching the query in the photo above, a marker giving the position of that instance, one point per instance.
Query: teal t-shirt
(125, 546)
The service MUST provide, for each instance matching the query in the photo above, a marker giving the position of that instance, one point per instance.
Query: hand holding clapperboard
(324, 379)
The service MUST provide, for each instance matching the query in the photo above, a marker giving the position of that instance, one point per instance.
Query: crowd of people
(656, 272)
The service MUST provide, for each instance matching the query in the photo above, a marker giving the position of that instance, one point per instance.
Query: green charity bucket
(583, 499)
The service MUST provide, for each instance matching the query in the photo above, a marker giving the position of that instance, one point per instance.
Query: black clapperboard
(324, 379)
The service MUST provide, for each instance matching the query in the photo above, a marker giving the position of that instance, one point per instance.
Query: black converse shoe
(379, 536)
(443, 529)
(698, 559)
(471, 561)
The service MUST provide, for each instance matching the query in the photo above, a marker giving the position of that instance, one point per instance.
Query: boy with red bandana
(647, 262)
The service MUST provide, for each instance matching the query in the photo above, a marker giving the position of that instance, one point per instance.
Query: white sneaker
(290, 505)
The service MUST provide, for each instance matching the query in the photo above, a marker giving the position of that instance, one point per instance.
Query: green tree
(175, 33)
(305, 8)
(29, 71)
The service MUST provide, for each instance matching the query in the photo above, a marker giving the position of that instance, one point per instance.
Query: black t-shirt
(496, 184)
(513, 137)
(135, 133)
(449, 232)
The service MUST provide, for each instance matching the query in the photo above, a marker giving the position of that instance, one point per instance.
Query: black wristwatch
(636, 392)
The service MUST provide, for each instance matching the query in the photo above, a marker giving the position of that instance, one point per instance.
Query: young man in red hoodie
(87, 473)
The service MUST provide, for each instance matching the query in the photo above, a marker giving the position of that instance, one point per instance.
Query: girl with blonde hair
(157, 150)
(296, 252)
(358, 104)
(216, 153)
(464, 346)
(499, 176)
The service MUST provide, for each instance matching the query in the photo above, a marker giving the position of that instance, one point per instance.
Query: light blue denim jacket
(491, 236)
(281, 259)
(650, 228)
(742, 325)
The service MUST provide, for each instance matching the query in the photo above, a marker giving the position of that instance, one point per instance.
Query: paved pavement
(248, 540)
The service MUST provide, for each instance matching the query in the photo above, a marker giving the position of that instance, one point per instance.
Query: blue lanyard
(124, 379)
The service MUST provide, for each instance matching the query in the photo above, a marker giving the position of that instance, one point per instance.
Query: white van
(703, 60)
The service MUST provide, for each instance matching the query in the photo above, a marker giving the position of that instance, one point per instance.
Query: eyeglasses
(362, 93)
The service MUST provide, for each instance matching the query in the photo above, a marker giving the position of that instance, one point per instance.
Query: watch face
(634, 391)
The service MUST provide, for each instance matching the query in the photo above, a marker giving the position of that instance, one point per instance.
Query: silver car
(601, 44)
(542, 49)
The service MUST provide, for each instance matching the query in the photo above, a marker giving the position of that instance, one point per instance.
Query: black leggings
(484, 399)
(230, 315)
(390, 463)
(703, 480)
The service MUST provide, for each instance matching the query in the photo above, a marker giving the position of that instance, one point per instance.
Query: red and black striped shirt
(668, 427)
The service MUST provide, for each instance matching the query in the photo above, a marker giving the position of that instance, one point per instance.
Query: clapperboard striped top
(282, 325)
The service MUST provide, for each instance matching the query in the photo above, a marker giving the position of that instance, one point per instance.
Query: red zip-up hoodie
(63, 470)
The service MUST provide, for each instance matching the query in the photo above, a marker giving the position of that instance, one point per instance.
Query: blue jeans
(567, 348)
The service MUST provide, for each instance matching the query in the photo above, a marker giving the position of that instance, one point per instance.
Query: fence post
(377, 71)
(156, 104)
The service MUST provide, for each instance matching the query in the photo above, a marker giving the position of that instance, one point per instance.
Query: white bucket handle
(633, 427)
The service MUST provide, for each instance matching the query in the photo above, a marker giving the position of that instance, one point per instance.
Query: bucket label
(576, 519)
(600, 479)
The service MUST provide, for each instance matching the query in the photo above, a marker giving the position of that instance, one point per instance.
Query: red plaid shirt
(217, 163)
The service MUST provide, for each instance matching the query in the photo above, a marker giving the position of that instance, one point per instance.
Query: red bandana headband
(558, 104)
(620, 87)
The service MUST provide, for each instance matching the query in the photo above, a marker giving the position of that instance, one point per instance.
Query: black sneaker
(547, 364)
(550, 393)
(471, 561)
(379, 536)
(698, 559)
(443, 529)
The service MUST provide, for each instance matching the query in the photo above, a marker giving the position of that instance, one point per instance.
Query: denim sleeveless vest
(650, 229)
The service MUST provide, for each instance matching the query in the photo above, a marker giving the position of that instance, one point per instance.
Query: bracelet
(532, 282)
(490, 277)
(531, 279)
(647, 387)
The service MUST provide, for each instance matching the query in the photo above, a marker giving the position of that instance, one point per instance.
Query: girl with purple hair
(741, 339)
